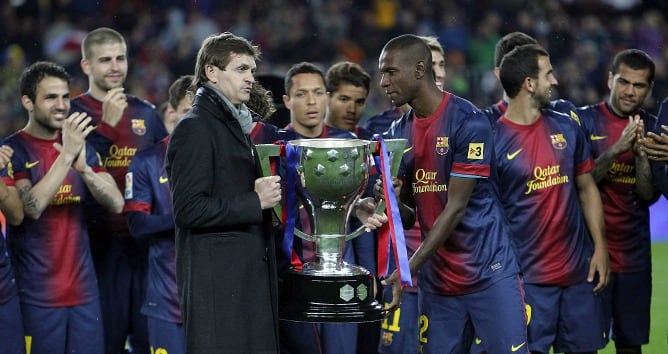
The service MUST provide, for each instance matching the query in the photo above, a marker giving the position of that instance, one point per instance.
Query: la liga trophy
(327, 177)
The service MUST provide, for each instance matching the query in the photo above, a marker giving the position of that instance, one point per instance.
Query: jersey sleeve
(93, 159)
(137, 194)
(584, 162)
(473, 147)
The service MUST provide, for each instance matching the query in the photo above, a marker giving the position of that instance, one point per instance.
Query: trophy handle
(304, 236)
(265, 152)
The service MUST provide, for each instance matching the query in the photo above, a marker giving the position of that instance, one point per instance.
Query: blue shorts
(627, 300)
(399, 331)
(495, 314)
(166, 337)
(569, 318)
(11, 327)
(121, 266)
(74, 329)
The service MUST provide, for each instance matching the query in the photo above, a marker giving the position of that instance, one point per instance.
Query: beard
(543, 100)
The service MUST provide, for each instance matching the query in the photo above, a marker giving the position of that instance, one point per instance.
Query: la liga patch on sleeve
(476, 151)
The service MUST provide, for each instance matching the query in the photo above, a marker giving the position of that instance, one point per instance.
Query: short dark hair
(102, 35)
(345, 72)
(301, 68)
(35, 73)
(179, 89)
(217, 50)
(413, 49)
(635, 59)
(517, 65)
(508, 43)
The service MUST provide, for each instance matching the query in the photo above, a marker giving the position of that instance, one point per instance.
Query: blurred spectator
(163, 36)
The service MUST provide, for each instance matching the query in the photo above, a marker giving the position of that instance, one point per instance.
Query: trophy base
(347, 298)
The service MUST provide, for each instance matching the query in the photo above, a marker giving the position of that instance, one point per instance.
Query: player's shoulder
(462, 104)
(340, 133)
(560, 118)
(136, 102)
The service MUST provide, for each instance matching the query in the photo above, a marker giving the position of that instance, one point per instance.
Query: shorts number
(424, 326)
(28, 344)
(394, 326)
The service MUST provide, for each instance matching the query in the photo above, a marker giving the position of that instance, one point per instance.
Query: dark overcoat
(226, 267)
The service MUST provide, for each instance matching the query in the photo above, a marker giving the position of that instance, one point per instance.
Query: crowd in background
(164, 35)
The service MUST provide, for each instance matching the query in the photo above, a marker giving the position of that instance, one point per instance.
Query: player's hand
(80, 164)
(397, 291)
(378, 190)
(114, 104)
(74, 132)
(628, 137)
(656, 145)
(640, 137)
(6, 153)
(365, 210)
(599, 265)
(268, 189)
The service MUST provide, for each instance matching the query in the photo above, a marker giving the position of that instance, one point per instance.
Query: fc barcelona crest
(138, 126)
(558, 141)
(442, 145)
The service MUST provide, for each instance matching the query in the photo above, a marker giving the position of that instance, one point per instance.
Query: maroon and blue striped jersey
(626, 215)
(456, 140)
(537, 168)
(380, 123)
(147, 191)
(139, 128)
(266, 133)
(495, 111)
(51, 255)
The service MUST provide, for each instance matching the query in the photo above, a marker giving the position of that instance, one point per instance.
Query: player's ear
(287, 102)
(85, 66)
(420, 69)
(529, 84)
(27, 103)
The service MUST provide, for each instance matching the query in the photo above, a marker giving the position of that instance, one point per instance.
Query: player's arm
(140, 201)
(143, 225)
(37, 197)
(459, 192)
(609, 156)
(592, 207)
(644, 185)
(10, 203)
(100, 184)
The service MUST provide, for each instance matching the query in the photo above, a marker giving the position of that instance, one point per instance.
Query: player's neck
(39, 131)
(426, 104)
(308, 132)
(96, 92)
(521, 111)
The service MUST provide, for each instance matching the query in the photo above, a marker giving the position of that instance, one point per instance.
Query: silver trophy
(333, 174)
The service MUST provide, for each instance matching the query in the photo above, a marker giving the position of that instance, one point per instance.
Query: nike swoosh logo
(478, 340)
(163, 179)
(514, 348)
(408, 149)
(512, 155)
(31, 164)
(597, 137)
